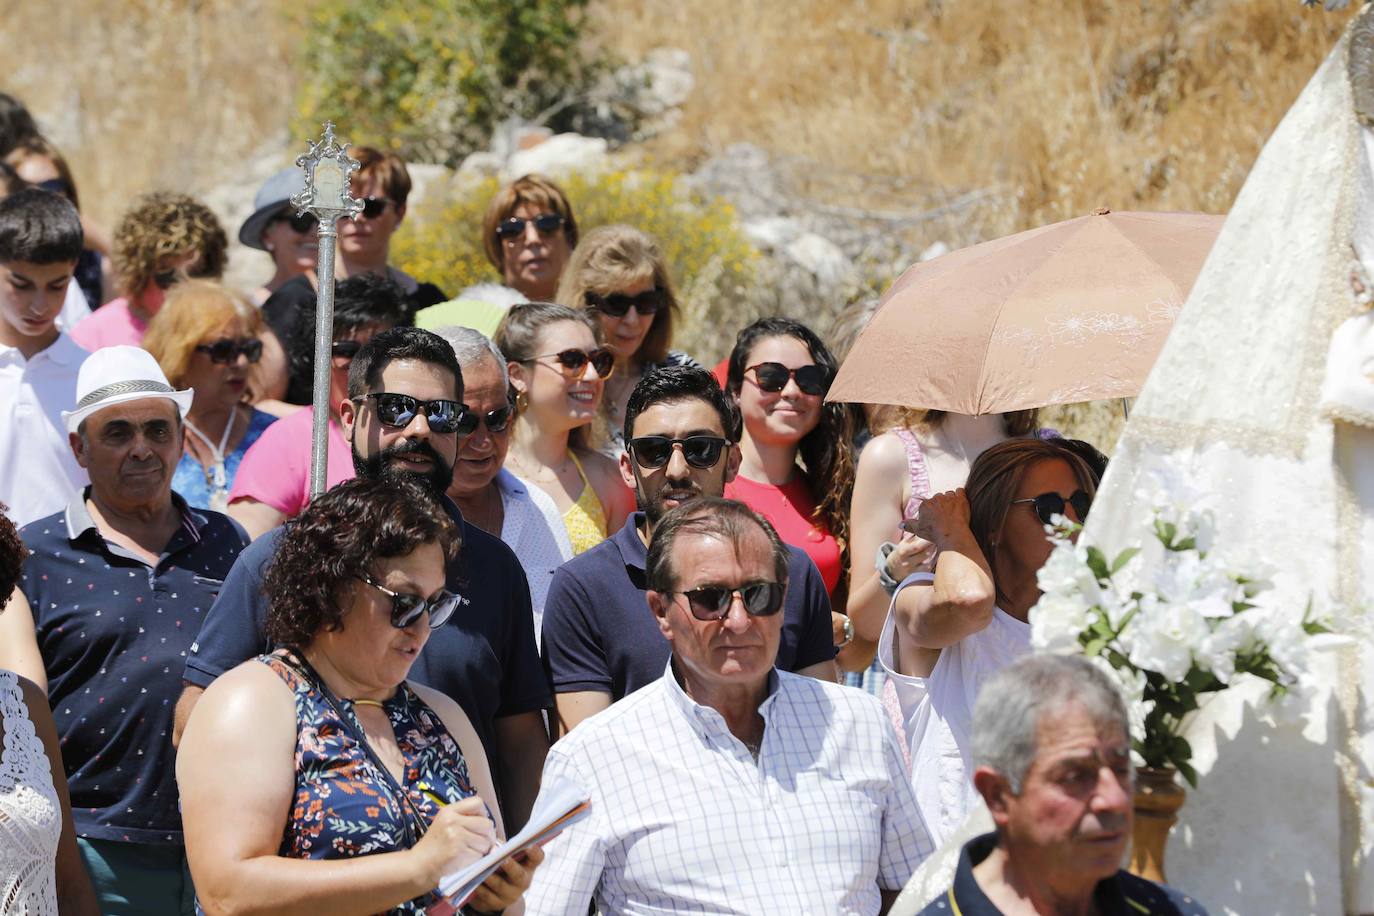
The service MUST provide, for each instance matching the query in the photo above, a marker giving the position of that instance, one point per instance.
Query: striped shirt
(684, 820)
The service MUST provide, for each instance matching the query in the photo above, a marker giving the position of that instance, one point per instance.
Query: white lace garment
(30, 817)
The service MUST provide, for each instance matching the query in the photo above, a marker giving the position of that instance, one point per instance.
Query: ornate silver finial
(1359, 63)
(328, 175)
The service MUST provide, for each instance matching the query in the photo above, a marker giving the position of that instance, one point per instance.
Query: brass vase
(1157, 800)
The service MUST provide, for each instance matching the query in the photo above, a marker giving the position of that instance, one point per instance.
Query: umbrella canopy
(1074, 311)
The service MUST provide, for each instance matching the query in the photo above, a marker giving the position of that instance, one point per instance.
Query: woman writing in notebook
(317, 778)
(558, 369)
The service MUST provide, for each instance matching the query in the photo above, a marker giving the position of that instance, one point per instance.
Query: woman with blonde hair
(558, 368)
(206, 337)
(619, 275)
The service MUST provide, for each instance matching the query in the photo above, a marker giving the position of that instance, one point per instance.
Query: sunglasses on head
(304, 222)
(699, 451)
(616, 305)
(444, 416)
(712, 602)
(513, 227)
(773, 377)
(1048, 505)
(574, 360)
(374, 207)
(406, 609)
(226, 349)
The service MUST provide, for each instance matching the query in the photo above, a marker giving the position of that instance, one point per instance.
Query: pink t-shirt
(111, 325)
(788, 509)
(276, 469)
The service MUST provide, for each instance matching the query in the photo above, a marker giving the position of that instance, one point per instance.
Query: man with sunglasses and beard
(600, 642)
(403, 417)
(728, 785)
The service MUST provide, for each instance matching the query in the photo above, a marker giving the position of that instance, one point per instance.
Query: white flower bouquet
(1170, 621)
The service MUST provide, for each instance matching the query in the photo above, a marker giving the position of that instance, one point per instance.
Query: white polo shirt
(38, 473)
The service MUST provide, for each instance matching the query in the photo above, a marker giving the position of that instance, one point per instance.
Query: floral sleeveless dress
(345, 804)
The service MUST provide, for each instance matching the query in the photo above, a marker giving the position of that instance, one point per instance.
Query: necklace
(363, 701)
(215, 475)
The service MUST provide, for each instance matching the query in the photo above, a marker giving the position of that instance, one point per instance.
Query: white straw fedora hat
(112, 375)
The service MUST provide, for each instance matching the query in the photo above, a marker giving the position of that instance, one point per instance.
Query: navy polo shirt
(599, 634)
(484, 657)
(114, 633)
(1123, 894)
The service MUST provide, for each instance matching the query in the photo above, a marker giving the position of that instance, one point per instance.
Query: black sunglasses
(304, 222)
(166, 279)
(712, 602)
(496, 420)
(226, 350)
(345, 349)
(513, 227)
(374, 207)
(444, 416)
(655, 451)
(406, 609)
(772, 377)
(616, 305)
(1048, 505)
(573, 360)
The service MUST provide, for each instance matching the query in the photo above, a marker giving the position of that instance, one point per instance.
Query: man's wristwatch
(848, 632)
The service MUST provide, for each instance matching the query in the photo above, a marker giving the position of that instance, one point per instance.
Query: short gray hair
(1015, 699)
(470, 345)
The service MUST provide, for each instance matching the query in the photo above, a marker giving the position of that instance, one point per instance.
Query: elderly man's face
(481, 454)
(131, 450)
(739, 649)
(1074, 808)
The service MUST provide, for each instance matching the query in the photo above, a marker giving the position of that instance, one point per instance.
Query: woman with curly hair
(797, 464)
(40, 867)
(163, 239)
(317, 777)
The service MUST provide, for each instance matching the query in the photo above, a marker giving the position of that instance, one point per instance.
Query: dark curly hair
(12, 554)
(826, 452)
(341, 534)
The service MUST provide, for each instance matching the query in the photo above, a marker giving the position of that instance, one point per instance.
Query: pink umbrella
(1074, 311)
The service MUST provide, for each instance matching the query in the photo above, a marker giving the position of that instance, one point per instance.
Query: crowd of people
(777, 641)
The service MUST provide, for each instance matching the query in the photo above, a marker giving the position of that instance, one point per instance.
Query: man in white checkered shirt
(727, 786)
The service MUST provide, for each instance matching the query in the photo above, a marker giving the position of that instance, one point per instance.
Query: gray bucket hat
(271, 198)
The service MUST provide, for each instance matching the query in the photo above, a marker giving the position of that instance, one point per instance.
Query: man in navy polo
(485, 657)
(600, 640)
(118, 584)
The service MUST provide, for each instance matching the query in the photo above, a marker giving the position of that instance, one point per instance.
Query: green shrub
(430, 79)
(712, 264)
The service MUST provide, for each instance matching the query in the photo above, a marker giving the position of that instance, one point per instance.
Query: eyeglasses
(573, 360)
(444, 416)
(655, 451)
(773, 377)
(406, 609)
(226, 349)
(513, 227)
(712, 602)
(304, 222)
(496, 420)
(374, 207)
(1048, 505)
(616, 305)
(345, 349)
(56, 186)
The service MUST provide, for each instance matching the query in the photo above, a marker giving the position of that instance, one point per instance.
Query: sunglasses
(406, 609)
(374, 207)
(304, 222)
(166, 279)
(226, 350)
(1048, 505)
(496, 420)
(56, 186)
(712, 602)
(773, 377)
(345, 349)
(444, 416)
(513, 227)
(573, 361)
(655, 451)
(616, 305)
